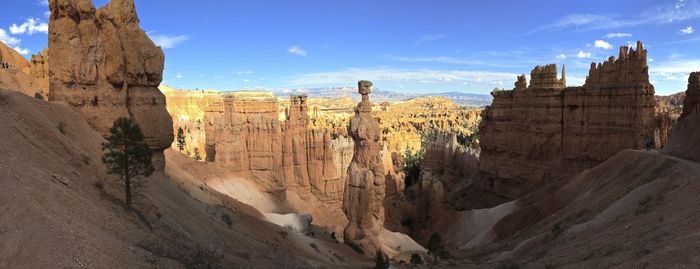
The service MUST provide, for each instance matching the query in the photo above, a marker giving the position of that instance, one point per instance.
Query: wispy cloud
(561, 56)
(602, 45)
(297, 50)
(21, 50)
(681, 10)
(169, 42)
(429, 38)
(43, 3)
(618, 35)
(352, 75)
(242, 72)
(687, 30)
(437, 59)
(8, 39)
(584, 55)
(30, 26)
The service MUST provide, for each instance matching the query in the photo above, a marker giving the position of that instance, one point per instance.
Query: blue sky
(402, 45)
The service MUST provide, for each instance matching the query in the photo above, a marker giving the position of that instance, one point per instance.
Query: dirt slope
(635, 210)
(54, 214)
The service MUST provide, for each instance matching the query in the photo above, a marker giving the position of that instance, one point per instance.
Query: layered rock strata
(365, 183)
(244, 134)
(108, 68)
(547, 131)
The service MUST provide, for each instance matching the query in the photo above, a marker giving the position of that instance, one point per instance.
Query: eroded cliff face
(546, 131)
(109, 68)
(692, 95)
(365, 184)
(245, 134)
(187, 110)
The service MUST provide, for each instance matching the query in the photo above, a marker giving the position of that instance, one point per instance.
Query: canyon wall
(243, 133)
(109, 68)
(546, 131)
(187, 108)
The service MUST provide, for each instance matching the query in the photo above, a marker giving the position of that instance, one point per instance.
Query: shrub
(416, 259)
(226, 218)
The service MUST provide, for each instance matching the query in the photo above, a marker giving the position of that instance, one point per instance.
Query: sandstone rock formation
(364, 187)
(39, 70)
(187, 108)
(15, 73)
(692, 95)
(547, 131)
(244, 134)
(109, 68)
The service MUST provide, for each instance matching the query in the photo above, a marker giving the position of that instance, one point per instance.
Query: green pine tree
(436, 248)
(180, 138)
(380, 262)
(196, 154)
(127, 155)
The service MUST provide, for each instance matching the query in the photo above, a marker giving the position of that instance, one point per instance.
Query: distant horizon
(403, 46)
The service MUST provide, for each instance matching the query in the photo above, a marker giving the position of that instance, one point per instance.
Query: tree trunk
(127, 187)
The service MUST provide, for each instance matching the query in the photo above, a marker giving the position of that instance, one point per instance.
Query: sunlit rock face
(365, 183)
(108, 68)
(187, 111)
(545, 131)
(244, 133)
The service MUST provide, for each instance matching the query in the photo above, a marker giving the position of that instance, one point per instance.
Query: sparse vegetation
(416, 259)
(380, 261)
(196, 155)
(436, 248)
(180, 139)
(127, 156)
(62, 127)
(411, 166)
(226, 218)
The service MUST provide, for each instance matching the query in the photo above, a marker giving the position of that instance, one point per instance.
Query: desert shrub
(226, 218)
(416, 259)
(62, 127)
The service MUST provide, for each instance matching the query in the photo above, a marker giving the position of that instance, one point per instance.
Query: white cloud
(244, 72)
(178, 76)
(30, 27)
(438, 59)
(429, 38)
(618, 35)
(47, 14)
(43, 3)
(686, 31)
(8, 39)
(297, 50)
(21, 50)
(602, 44)
(169, 42)
(584, 55)
(561, 56)
(352, 75)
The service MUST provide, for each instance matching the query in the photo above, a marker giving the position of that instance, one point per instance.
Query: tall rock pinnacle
(364, 187)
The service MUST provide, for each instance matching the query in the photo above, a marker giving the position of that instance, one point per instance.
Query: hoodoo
(109, 68)
(364, 187)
